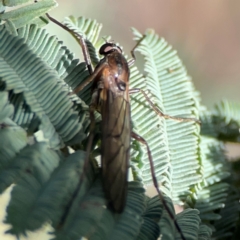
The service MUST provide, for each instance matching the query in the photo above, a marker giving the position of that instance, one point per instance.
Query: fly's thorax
(118, 63)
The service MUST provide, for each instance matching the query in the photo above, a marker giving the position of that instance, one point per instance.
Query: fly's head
(108, 48)
(115, 74)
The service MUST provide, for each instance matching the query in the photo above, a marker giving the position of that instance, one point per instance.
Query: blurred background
(205, 33)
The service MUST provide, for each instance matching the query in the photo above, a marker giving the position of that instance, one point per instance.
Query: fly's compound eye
(118, 49)
(109, 48)
(121, 85)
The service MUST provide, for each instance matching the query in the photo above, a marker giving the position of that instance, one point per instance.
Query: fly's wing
(115, 147)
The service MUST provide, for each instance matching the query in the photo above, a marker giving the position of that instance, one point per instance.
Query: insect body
(111, 98)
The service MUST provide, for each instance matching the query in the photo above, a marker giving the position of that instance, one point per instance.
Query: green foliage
(174, 145)
(53, 186)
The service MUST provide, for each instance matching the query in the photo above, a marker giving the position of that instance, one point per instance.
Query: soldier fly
(110, 97)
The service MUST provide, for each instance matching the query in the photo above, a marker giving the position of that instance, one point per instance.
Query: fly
(110, 97)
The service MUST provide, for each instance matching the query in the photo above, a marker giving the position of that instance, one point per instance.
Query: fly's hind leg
(155, 182)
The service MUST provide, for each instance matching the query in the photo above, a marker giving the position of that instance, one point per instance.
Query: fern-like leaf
(27, 74)
(174, 145)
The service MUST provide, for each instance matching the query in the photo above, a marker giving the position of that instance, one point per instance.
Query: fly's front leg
(80, 40)
(87, 59)
(89, 79)
(160, 113)
(131, 61)
(155, 182)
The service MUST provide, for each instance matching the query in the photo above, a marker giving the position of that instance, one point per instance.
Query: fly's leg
(89, 79)
(136, 90)
(158, 112)
(92, 107)
(154, 107)
(79, 39)
(143, 141)
(87, 59)
(85, 165)
(155, 182)
(132, 61)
